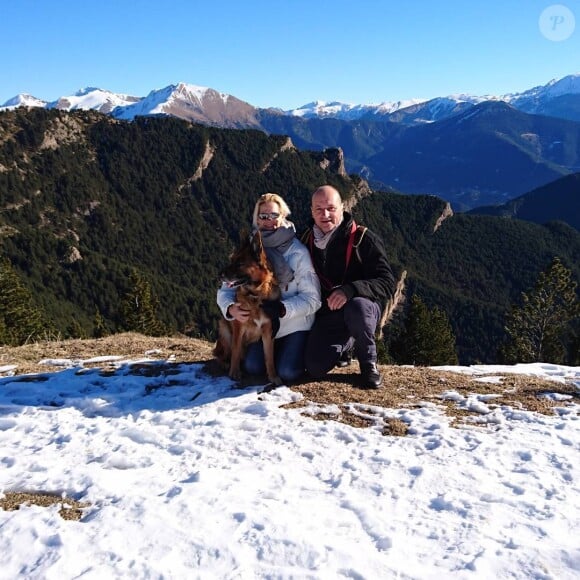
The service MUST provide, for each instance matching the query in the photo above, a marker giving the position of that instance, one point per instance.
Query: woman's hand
(238, 313)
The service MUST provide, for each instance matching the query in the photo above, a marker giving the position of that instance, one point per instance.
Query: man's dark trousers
(334, 330)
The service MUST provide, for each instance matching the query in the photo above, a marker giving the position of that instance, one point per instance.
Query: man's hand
(238, 313)
(336, 300)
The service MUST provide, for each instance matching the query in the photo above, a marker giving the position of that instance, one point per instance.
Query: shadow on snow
(126, 389)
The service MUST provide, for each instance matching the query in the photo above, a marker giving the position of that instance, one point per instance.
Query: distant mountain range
(185, 101)
(469, 150)
(557, 201)
(196, 103)
(556, 99)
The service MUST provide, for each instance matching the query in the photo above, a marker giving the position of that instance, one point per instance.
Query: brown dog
(254, 280)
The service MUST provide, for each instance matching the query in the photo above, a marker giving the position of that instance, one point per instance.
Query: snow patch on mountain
(92, 98)
(427, 111)
(555, 88)
(535, 100)
(348, 111)
(193, 103)
(206, 105)
(22, 100)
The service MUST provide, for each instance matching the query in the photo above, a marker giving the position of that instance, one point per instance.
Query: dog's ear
(257, 243)
(258, 247)
(245, 237)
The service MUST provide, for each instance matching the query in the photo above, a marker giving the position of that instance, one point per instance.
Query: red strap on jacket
(353, 229)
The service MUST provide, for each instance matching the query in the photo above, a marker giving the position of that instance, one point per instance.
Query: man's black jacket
(369, 273)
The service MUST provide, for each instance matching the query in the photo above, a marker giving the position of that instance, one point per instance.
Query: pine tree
(4, 336)
(99, 326)
(383, 355)
(20, 319)
(427, 338)
(139, 308)
(75, 330)
(537, 328)
(574, 350)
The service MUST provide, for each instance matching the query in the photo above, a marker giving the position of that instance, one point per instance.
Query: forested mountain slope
(85, 200)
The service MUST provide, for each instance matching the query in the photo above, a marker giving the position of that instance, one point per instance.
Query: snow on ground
(189, 477)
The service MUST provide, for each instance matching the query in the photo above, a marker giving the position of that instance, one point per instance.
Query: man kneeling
(356, 281)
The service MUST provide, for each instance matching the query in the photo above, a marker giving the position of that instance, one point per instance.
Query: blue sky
(283, 53)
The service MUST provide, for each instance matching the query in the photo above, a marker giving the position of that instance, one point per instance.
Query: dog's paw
(236, 375)
(276, 380)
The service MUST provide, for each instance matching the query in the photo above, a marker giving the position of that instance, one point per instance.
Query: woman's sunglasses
(269, 216)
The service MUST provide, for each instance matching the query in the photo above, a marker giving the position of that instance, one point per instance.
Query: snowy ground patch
(190, 477)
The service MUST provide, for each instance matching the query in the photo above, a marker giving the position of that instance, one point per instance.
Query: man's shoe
(345, 359)
(371, 377)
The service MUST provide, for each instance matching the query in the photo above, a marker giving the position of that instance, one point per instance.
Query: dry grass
(408, 387)
(403, 387)
(129, 344)
(70, 508)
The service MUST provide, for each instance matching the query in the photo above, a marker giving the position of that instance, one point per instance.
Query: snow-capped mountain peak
(556, 87)
(321, 109)
(22, 100)
(391, 106)
(206, 105)
(85, 91)
(92, 98)
(197, 92)
(544, 99)
(194, 103)
(565, 86)
(349, 111)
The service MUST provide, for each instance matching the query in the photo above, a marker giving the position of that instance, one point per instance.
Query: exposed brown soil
(70, 509)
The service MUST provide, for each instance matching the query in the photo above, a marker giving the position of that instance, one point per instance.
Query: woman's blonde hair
(274, 198)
